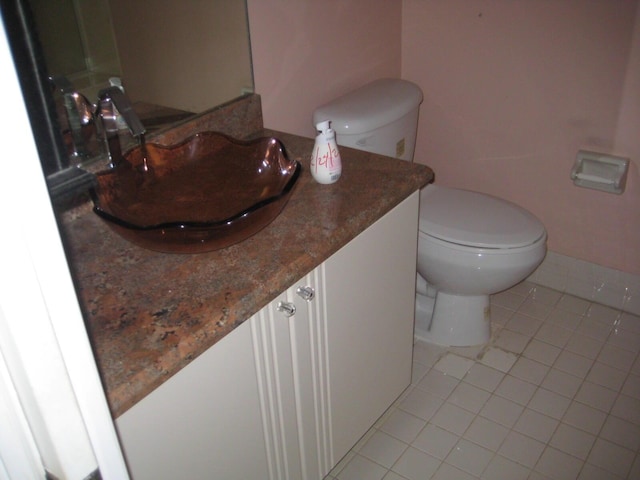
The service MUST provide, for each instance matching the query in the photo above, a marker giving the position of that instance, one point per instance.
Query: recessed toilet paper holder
(600, 171)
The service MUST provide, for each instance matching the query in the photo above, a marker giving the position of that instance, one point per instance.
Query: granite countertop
(149, 314)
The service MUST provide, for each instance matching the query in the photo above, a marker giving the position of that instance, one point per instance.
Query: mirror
(174, 58)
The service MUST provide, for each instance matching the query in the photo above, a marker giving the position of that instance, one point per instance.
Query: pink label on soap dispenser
(326, 165)
(325, 158)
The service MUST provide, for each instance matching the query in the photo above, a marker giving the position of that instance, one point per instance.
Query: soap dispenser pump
(326, 165)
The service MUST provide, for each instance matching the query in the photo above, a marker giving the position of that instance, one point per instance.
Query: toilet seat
(476, 220)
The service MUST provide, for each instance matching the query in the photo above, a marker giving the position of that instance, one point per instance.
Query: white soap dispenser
(326, 165)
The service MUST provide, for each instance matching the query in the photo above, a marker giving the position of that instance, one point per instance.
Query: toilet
(470, 245)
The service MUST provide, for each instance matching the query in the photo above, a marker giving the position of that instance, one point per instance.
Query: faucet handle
(115, 97)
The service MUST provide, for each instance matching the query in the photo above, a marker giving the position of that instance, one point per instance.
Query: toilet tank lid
(475, 219)
(371, 106)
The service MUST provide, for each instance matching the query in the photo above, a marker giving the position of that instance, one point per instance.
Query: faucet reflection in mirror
(169, 76)
(90, 130)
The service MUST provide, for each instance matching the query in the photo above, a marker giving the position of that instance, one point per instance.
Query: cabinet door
(370, 293)
(293, 376)
(205, 422)
(275, 372)
(311, 375)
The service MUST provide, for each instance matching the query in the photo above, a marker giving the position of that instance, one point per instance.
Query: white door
(54, 396)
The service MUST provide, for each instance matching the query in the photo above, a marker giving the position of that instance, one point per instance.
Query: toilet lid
(476, 219)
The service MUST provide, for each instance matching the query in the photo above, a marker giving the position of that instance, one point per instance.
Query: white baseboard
(589, 281)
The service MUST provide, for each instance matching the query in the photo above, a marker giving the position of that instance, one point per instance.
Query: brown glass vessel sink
(204, 193)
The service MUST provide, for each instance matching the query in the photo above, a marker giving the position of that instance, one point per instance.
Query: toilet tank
(379, 117)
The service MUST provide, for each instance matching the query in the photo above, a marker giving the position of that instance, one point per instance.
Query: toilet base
(456, 320)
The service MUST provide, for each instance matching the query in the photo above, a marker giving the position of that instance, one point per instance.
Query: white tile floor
(555, 395)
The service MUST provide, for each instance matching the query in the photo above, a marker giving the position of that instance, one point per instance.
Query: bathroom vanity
(269, 358)
(287, 395)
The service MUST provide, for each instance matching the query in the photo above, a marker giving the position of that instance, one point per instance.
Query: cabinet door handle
(288, 308)
(307, 293)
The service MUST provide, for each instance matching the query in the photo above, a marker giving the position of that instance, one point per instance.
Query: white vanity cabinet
(287, 394)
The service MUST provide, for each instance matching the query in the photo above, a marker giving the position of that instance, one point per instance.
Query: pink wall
(306, 53)
(513, 89)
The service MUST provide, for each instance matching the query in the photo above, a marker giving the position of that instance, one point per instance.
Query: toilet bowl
(470, 244)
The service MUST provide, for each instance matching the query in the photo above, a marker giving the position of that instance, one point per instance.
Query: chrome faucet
(112, 105)
(83, 124)
(77, 121)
